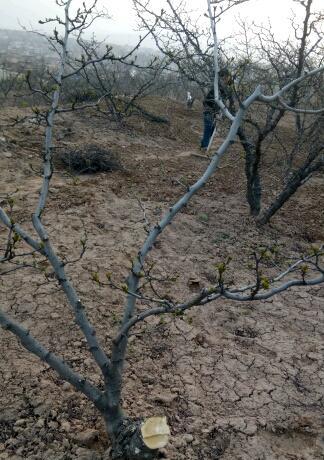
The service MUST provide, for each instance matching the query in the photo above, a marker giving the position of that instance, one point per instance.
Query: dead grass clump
(89, 159)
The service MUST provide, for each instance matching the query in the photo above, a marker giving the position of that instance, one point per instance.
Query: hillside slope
(237, 381)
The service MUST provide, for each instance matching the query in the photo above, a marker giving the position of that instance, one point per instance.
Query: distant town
(24, 50)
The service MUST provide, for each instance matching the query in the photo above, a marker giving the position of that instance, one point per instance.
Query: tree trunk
(280, 200)
(295, 182)
(253, 192)
(128, 443)
(253, 182)
(298, 123)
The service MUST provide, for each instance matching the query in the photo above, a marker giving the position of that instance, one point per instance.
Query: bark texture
(253, 181)
(128, 442)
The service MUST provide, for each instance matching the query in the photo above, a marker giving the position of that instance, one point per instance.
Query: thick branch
(289, 85)
(63, 370)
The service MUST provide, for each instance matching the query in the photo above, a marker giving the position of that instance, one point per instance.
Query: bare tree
(133, 439)
(10, 81)
(119, 81)
(287, 60)
(185, 45)
(100, 76)
(269, 62)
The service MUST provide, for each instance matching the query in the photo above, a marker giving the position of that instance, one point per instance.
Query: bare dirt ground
(237, 381)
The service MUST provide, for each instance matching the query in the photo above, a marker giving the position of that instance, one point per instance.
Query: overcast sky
(123, 23)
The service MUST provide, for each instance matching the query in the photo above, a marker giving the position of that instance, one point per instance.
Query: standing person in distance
(210, 107)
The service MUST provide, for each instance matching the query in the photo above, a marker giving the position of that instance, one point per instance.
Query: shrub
(89, 159)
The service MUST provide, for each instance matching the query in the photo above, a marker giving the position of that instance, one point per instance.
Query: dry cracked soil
(237, 381)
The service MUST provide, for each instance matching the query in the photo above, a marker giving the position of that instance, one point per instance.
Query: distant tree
(10, 81)
(140, 438)
(268, 62)
(281, 62)
(119, 82)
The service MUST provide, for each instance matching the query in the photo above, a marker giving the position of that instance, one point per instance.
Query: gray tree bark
(128, 442)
